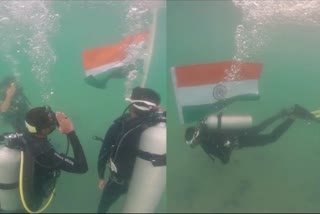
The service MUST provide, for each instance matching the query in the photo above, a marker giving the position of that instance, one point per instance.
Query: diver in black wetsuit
(220, 143)
(120, 145)
(42, 157)
(13, 103)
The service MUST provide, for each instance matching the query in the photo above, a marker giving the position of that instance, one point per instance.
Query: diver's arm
(53, 159)
(102, 161)
(78, 164)
(6, 104)
(104, 153)
(7, 101)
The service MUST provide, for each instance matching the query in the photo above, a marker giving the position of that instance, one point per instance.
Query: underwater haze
(41, 44)
(284, 36)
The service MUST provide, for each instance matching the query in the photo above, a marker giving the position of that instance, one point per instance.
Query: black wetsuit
(125, 131)
(47, 163)
(220, 143)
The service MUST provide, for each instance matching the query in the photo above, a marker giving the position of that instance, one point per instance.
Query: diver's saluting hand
(11, 90)
(65, 124)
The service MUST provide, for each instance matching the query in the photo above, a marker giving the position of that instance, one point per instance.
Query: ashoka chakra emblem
(220, 92)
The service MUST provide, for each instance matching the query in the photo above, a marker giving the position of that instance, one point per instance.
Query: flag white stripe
(201, 95)
(100, 69)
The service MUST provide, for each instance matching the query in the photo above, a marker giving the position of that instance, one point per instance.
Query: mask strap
(141, 101)
(31, 129)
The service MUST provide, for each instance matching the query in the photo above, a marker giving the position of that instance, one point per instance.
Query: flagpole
(148, 58)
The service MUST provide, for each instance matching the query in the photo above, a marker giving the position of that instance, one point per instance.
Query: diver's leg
(261, 140)
(264, 124)
(296, 111)
(111, 192)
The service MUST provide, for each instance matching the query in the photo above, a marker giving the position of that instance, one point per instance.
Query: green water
(280, 177)
(81, 25)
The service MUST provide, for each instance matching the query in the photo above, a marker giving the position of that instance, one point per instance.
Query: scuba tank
(148, 181)
(228, 122)
(17, 166)
(9, 176)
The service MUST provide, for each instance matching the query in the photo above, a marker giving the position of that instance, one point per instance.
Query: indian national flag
(200, 87)
(103, 59)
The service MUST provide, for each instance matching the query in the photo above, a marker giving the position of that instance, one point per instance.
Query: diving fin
(303, 113)
(316, 113)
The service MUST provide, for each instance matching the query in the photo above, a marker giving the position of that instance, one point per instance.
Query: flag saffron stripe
(97, 57)
(200, 74)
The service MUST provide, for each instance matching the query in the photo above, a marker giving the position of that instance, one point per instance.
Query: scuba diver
(218, 140)
(120, 146)
(13, 102)
(41, 163)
